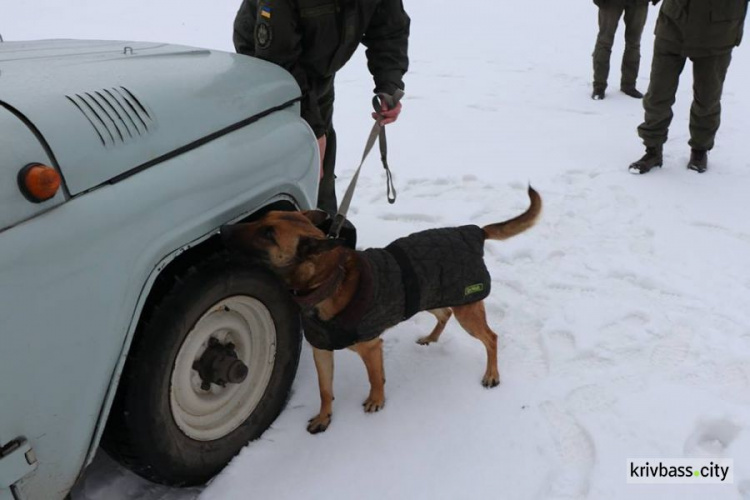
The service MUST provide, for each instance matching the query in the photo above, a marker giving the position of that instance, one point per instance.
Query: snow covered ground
(623, 315)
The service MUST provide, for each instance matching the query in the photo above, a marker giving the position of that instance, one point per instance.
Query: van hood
(106, 108)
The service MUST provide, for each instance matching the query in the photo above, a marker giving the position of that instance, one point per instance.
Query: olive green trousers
(609, 18)
(709, 73)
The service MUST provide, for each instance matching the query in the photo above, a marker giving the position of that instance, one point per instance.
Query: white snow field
(623, 315)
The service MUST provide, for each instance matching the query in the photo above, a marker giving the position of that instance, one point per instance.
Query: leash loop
(377, 132)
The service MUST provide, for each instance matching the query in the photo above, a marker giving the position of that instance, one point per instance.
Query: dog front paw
(490, 381)
(318, 423)
(372, 404)
(424, 340)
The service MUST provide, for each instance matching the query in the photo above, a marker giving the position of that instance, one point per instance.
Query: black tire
(141, 432)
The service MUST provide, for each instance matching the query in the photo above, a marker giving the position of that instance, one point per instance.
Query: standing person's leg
(709, 74)
(609, 18)
(666, 67)
(635, 20)
(327, 189)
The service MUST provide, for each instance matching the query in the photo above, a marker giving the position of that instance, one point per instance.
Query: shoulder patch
(263, 35)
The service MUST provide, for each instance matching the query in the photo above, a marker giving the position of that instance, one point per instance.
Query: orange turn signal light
(38, 182)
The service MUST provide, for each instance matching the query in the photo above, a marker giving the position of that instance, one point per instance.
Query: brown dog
(348, 298)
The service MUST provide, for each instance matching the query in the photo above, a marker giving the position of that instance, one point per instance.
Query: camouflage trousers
(634, 14)
(709, 73)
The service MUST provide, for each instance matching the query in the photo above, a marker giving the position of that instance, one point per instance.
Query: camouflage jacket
(701, 27)
(313, 39)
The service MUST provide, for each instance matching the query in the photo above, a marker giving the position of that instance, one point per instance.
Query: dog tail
(516, 225)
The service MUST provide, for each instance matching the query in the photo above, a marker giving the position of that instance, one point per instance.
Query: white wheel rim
(208, 415)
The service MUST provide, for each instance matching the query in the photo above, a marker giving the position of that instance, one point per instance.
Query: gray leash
(378, 131)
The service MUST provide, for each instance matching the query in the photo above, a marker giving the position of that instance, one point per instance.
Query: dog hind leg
(371, 353)
(442, 315)
(324, 366)
(473, 319)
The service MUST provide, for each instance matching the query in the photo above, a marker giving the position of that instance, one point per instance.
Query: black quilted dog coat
(426, 270)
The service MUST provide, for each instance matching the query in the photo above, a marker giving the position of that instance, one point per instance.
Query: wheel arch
(162, 278)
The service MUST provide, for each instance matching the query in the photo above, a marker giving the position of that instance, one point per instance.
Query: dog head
(281, 240)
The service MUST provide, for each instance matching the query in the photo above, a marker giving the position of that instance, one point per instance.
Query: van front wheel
(209, 371)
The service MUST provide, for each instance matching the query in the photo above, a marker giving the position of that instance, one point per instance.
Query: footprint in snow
(722, 229)
(633, 319)
(729, 378)
(577, 453)
(561, 340)
(483, 107)
(733, 377)
(711, 438)
(623, 337)
(580, 289)
(673, 349)
(589, 361)
(555, 254)
(525, 350)
(744, 489)
(589, 398)
(524, 255)
(423, 187)
(409, 217)
(495, 310)
(557, 347)
(645, 283)
(428, 181)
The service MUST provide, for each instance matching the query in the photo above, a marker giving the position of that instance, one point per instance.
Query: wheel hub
(223, 368)
(219, 365)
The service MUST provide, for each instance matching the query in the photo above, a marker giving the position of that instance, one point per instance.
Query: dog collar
(310, 298)
(362, 299)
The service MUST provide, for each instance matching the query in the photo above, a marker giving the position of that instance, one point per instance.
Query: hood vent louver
(115, 113)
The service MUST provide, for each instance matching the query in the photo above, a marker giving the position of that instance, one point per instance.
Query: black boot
(597, 94)
(632, 92)
(652, 158)
(698, 160)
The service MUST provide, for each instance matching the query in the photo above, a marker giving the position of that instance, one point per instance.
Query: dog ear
(317, 217)
(313, 246)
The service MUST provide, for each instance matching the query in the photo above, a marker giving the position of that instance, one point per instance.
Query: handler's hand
(386, 115)
(322, 148)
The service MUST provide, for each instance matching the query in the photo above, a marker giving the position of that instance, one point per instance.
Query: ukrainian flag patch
(265, 12)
